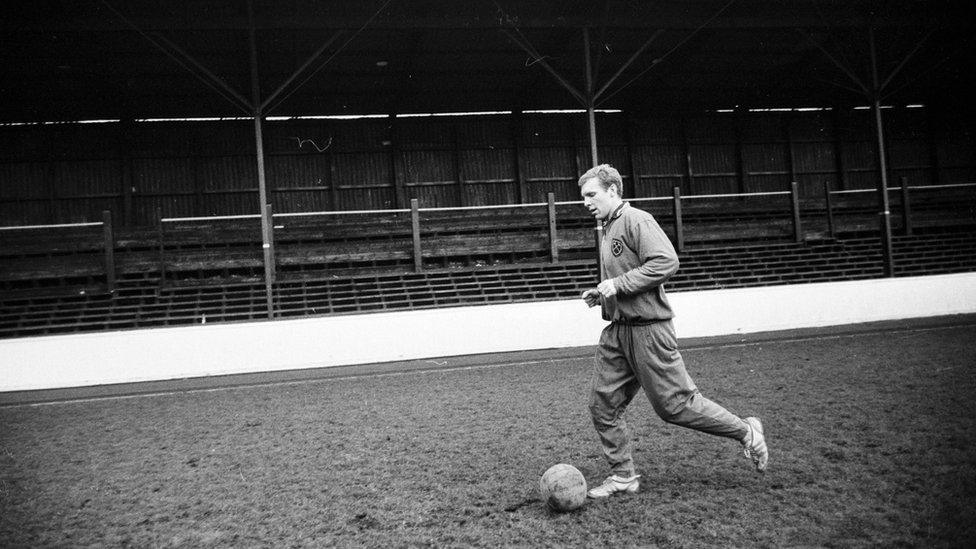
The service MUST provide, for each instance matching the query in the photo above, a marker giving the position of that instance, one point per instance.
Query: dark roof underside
(87, 59)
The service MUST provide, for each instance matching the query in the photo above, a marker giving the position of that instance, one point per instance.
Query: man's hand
(607, 288)
(592, 297)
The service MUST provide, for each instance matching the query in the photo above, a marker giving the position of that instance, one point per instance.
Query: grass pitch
(872, 439)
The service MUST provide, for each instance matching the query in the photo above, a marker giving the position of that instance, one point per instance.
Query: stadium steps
(141, 302)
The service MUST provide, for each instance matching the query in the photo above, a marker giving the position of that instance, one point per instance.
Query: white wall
(203, 350)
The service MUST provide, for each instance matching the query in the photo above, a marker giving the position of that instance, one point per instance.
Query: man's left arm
(658, 262)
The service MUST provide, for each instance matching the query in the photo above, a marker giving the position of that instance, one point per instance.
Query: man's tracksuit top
(639, 257)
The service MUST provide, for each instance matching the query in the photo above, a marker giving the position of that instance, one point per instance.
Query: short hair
(606, 175)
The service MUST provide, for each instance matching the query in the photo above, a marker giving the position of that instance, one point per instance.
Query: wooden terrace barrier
(24, 257)
(229, 248)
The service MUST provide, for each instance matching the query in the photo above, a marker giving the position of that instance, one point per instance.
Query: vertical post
(885, 213)
(109, 238)
(635, 178)
(517, 153)
(125, 165)
(269, 211)
(199, 182)
(590, 100)
(458, 171)
(838, 150)
(333, 182)
(689, 173)
(679, 228)
(269, 274)
(795, 202)
(553, 237)
(790, 153)
(269, 268)
(52, 209)
(933, 149)
(828, 204)
(740, 162)
(591, 122)
(591, 126)
(418, 260)
(906, 209)
(400, 196)
(159, 242)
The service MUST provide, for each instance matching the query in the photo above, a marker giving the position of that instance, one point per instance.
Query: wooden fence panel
(956, 155)
(765, 167)
(714, 169)
(617, 156)
(228, 185)
(300, 182)
(860, 164)
(489, 176)
(660, 169)
(551, 170)
(165, 183)
(910, 159)
(25, 194)
(363, 181)
(429, 176)
(70, 172)
(814, 164)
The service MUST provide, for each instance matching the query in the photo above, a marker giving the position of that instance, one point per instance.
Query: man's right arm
(658, 260)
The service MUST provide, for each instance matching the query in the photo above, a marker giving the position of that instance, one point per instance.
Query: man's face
(599, 201)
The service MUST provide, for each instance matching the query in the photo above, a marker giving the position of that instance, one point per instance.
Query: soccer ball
(563, 488)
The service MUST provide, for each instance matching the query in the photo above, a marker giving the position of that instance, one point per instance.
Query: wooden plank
(418, 263)
(553, 236)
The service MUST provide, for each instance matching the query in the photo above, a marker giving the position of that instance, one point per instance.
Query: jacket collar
(615, 214)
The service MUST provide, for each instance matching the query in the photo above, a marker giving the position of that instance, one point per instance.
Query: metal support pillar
(591, 127)
(590, 99)
(885, 213)
(874, 94)
(266, 230)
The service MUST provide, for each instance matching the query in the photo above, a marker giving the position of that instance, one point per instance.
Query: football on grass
(563, 488)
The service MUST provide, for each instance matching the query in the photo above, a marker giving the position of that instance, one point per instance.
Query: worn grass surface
(872, 441)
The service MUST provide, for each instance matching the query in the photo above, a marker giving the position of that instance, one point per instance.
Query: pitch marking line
(771, 341)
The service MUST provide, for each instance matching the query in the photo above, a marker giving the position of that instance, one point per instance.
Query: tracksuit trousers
(631, 357)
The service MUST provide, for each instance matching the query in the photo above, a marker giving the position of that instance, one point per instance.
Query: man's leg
(672, 393)
(613, 387)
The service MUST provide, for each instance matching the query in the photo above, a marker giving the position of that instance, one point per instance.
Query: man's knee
(672, 416)
(671, 412)
(602, 412)
(599, 411)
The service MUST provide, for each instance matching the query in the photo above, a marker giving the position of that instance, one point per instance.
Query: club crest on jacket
(616, 247)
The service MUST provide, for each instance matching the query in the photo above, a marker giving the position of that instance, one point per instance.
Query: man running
(638, 349)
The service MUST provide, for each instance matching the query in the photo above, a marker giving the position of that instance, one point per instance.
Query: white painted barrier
(77, 360)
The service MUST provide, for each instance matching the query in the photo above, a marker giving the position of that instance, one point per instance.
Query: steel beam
(843, 68)
(206, 76)
(294, 75)
(626, 64)
(677, 46)
(538, 59)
